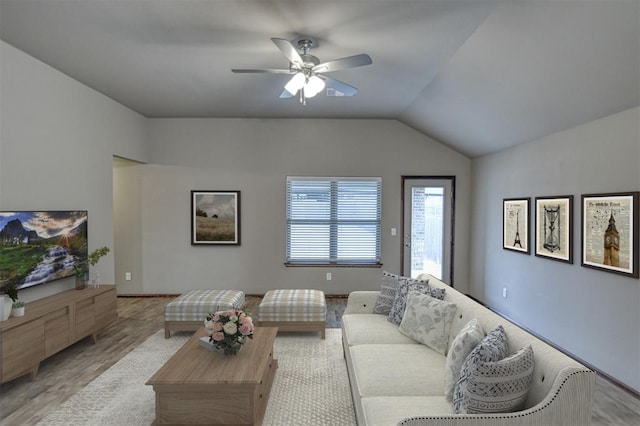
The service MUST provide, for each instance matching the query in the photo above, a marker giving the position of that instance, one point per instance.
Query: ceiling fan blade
(258, 71)
(285, 94)
(343, 63)
(288, 50)
(337, 88)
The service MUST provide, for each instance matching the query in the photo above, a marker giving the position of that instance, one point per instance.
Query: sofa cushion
(467, 339)
(400, 301)
(371, 328)
(390, 410)
(397, 370)
(428, 320)
(387, 294)
(500, 386)
(493, 347)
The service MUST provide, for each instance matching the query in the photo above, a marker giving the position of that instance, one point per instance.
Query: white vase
(17, 312)
(5, 307)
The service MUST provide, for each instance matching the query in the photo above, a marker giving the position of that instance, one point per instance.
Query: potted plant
(82, 269)
(11, 290)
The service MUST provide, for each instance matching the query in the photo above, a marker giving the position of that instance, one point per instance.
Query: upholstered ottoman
(293, 310)
(188, 311)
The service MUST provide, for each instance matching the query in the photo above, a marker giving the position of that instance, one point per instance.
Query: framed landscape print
(215, 217)
(610, 232)
(515, 224)
(554, 228)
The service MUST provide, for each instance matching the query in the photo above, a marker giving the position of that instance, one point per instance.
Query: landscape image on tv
(37, 247)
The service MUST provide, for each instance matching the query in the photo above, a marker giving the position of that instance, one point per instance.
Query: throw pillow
(428, 320)
(387, 294)
(500, 386)
(493, 347)
(467, 339)
(400, 301)
(438, 293)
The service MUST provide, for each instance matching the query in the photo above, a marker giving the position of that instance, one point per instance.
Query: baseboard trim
(563, 350)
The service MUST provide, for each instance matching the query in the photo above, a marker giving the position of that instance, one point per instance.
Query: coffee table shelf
(197, 386)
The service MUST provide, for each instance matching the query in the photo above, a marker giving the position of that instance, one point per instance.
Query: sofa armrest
(568, 403)
(361, 302)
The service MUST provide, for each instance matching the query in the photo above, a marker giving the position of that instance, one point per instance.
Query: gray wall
(590, 313)
(255, 156)
(57, 139)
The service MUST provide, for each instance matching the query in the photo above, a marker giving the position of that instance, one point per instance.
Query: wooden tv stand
(52, 324)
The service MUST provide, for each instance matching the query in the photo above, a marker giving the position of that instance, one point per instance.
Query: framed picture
(515, 229)
(554, 227)
(215, 217)
(610, 232)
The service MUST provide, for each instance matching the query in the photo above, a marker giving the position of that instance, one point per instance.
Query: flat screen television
(37, 247)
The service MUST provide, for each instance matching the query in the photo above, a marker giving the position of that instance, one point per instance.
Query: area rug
(310, 387)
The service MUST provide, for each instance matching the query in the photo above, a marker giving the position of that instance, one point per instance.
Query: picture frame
(215, 217)
(554, 228)
(609, 237)
(515, 225)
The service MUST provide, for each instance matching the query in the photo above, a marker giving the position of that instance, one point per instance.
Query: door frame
(452, 179)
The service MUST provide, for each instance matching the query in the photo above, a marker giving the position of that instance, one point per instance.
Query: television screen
(38, 247)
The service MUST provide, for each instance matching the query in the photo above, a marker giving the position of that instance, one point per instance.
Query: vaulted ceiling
(478, 76)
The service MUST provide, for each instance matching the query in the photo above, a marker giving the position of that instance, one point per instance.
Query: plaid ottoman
(293, 310)
(188, 312)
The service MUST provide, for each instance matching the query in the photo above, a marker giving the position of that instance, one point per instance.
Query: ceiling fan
(308, 73)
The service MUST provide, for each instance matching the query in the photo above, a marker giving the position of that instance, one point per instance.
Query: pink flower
(230, 328)
(216, 317)
(218, 336)
(217, 326)
(246, 329)
(245, 320)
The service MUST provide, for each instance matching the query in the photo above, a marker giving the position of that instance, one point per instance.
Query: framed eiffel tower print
(515, 225)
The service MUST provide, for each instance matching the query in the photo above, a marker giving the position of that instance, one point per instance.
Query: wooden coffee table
(197, 386)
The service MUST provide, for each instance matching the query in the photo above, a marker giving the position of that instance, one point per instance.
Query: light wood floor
(24, 403)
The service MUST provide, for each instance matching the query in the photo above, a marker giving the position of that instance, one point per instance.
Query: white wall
(590, 313)
(255, 156)
(57, 139)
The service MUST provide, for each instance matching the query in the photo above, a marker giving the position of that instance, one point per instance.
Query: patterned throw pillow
(501, 386)
(400, 301)
(493, 347)
(428, 320)
(467, 339)
(387, 294)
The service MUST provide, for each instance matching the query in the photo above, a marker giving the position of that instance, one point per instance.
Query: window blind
(333, 220)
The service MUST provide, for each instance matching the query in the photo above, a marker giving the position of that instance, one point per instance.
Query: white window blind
(334, 220)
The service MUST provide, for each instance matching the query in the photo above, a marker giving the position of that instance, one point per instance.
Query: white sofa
(398, 381)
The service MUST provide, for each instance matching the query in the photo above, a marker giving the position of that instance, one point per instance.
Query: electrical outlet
(504, 292)
(393, 232)
(127, 276)
(328, 276)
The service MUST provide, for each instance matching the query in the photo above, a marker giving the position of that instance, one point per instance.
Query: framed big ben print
(610, 232)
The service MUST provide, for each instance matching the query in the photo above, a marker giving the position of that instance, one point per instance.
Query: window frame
(334, 222)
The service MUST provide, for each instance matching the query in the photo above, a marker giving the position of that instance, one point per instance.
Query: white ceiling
(478, 76)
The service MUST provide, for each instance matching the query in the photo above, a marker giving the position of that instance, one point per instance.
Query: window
(333, 221)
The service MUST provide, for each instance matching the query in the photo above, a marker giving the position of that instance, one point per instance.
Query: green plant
(82, 269)
(11, 290)
(18, 304)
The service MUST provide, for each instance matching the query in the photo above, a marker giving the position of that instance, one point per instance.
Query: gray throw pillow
(500, 386)
(428, 320)
(494, 347)
(387, 294)
(462, 345)
(400, 301)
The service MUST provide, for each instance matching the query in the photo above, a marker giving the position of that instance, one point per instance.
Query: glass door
(428, 206)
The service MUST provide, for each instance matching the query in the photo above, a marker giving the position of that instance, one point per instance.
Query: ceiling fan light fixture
(296, 83)
(313, 86)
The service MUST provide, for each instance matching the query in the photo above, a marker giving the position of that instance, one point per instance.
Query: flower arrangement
(228, 330)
